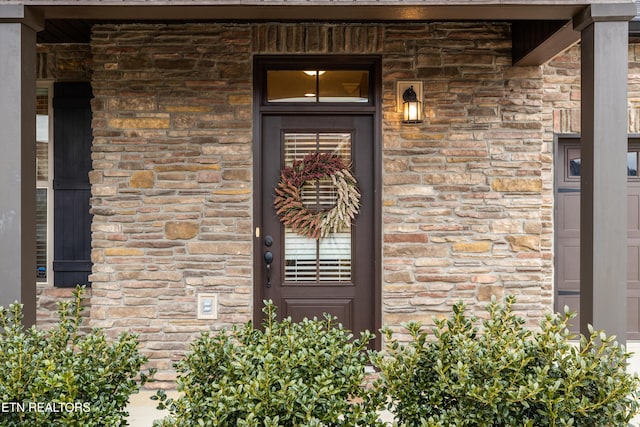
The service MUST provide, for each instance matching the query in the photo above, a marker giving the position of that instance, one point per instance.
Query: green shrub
(288, 374)
(504, 374)
(64, 377)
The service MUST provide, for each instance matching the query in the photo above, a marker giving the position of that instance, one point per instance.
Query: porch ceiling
(316, 11)
(72, 23)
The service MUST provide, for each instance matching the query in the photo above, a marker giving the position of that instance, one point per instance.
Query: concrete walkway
(142, 410)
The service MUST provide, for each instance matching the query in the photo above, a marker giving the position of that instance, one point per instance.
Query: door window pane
(42, 180)
(632, 163)
(327, 259)
(42, 134)
(290, 86)
(311, 261)
(344, 86)
(573, 157)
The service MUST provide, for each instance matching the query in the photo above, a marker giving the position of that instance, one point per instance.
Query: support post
(603, 203)
(17, 162)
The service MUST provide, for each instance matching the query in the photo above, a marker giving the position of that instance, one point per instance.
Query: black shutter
(72, 138)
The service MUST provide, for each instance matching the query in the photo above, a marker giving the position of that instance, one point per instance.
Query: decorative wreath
(320, 222)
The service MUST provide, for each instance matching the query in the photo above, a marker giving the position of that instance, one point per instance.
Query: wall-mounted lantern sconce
(411, 107)
(408, 102)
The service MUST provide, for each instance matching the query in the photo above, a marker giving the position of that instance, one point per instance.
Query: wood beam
(17, 163)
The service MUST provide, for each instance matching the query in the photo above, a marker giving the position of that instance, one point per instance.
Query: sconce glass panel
(412, 112)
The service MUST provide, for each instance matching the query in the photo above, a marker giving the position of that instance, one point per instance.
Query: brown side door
(335, 275)
(568, 232)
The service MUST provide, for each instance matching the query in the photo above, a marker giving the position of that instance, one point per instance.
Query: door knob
(268, 259)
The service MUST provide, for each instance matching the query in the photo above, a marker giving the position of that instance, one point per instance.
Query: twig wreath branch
(319, 223)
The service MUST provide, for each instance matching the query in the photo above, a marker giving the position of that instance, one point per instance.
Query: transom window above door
(318, 83)
(317, 86)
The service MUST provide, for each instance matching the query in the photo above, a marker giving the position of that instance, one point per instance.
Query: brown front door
(568, 232)
(334, 274)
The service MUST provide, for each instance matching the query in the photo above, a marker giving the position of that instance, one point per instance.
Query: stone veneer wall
(468, 194)
(562, 90)
(171, 185)
(467, 197)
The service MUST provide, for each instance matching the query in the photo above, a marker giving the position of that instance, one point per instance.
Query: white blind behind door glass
(328, 259)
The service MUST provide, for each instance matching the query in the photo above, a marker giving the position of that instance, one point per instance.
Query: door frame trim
(374, 109)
